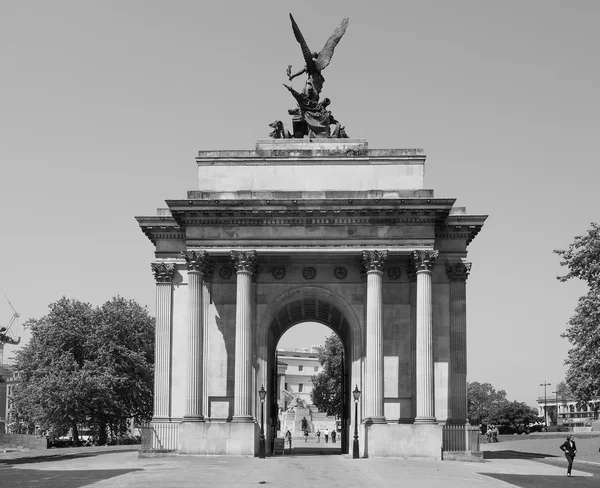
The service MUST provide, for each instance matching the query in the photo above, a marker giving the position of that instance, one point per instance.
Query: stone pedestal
(216, 438)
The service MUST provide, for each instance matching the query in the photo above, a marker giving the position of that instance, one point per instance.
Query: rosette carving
(458, 271)
(423, 260)
(163, 272)
(373, 261)
(199, 261)
(246, 261)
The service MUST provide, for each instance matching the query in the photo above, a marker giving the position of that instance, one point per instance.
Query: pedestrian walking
(326, 434)
(306, 435)
(333, 434)
(318, 436)
(288, 438)
(569, 448)
(495, 433)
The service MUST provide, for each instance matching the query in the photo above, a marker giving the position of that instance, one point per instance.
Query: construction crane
(5, 337)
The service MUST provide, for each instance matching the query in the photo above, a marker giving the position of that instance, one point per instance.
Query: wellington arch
(322, 230)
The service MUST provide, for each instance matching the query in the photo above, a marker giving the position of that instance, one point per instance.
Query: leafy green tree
(582, 258)
(482, 399)
(327, 385)
(87, 366)
(514, 416)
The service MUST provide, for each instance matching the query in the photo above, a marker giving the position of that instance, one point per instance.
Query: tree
(87, 367)
(327, 385)
(582, 258)
(513, 416)
(482, 398)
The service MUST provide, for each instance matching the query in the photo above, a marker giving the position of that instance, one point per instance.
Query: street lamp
(261, 447)
(356, 395)
(556, 405)
(544, 384)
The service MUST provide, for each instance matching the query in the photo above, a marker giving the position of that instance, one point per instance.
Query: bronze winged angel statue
(315, 62)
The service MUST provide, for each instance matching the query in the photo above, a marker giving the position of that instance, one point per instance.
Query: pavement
(508, 463)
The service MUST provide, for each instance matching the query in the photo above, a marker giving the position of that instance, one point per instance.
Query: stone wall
(23, 441)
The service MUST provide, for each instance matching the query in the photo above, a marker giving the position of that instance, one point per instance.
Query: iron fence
(463, 438)
(160, 435)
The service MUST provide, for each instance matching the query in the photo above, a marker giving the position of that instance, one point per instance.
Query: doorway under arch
(312, 304)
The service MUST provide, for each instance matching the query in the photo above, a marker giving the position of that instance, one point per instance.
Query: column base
(193, 418)
(425, 420)
(376, 420)
(242, 419)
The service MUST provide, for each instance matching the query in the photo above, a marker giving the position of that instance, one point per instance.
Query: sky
(104, 106)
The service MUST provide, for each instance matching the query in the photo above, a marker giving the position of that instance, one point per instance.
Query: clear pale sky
(104, 104)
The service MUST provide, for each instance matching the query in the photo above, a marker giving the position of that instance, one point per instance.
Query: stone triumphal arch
(298, 230)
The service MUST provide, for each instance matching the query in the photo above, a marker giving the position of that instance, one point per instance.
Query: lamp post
(544, 384)
(356, 395)
(261, 447)
(556, 403)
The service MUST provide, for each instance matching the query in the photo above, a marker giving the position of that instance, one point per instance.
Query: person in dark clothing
(569, 448)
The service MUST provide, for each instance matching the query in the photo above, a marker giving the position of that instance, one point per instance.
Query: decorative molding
(225, 272)
(458, 271)
(246, 261)
(340, 272)
(309, 273)
(373, 261)
(393, 273)
(278, 272)
(424, 260)
(199, 261)
(163, 272)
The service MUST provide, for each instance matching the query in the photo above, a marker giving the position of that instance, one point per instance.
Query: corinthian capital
(245, 261)
(199, 261)
(163, 272)
(373, 261)
(458, 271)
(423, 260)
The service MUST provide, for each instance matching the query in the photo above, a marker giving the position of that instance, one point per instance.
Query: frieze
(225, 273)
(424, 260)
(278, 272)
(340, 272)
(393, 273)
(373, 260)
(199, 261)
(163, 272)
(458, 271)
(309, 273)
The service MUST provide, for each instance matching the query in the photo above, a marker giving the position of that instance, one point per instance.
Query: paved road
(514, 463)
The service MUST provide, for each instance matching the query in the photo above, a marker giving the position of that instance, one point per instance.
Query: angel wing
(326, 53)
(310, 64)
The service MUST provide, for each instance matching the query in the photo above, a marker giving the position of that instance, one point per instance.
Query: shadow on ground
(55, 457)
(312, 451)
(24, 478)
(508, 454)
(535, 481)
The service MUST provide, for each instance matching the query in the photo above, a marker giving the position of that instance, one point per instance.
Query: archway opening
(299, 314)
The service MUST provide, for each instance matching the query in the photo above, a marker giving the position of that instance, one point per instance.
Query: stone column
(197, 264)
(163, 274)
(423, 262)
(458, 272)
(373, 263)
(246, 265)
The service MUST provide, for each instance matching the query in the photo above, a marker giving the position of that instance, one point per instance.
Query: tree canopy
(516, 416)
(482, 399)
(582, 259)
(87, 366)
(327, 385)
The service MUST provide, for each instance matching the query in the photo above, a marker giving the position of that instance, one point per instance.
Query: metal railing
(463, 438)
(160, 435)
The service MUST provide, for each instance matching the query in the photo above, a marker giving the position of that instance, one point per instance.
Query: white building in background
(569, 412)
(295, 369)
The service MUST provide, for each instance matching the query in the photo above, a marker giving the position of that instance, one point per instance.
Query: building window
(316, 369)
(300, 367)
(300, 387)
